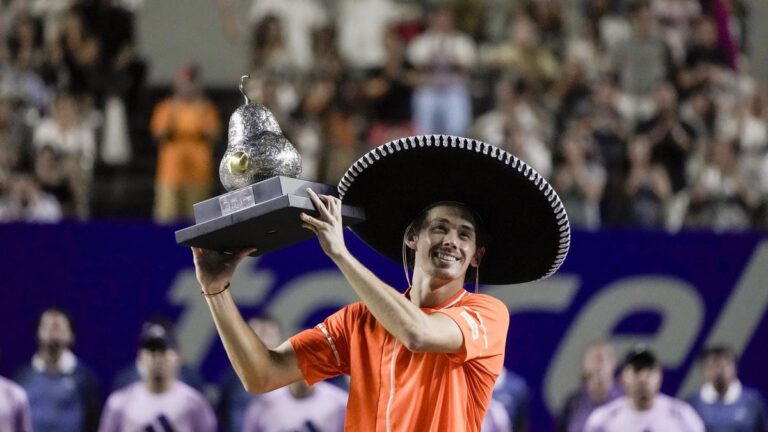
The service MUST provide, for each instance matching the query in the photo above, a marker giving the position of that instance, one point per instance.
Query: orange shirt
(393, 389)
(185, 159)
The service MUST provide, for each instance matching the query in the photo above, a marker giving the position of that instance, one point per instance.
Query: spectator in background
(15, 152)
(389, 92)
(674, 19)
(234, 400)
(523, 56)
(723, 402)
(640, 62)
(580, 181)
(27, 202)
(643, 408)
(511, 394)
(647, 187)
(54, 179)
(159, 402)
(497, 419)
(299, 20)
(721, 198)
(68, 134)
(295, 407)
(63, 393)
(705, 59)
(14, 408)
(444, 57)
(133, 373)
(670, 136)
(363, 27)
(599, 387)
(19, 79)
(268, 52)
(186, 126)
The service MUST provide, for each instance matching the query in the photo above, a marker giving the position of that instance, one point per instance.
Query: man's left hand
(328, 228)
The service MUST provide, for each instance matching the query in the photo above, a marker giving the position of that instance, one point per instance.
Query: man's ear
(411, 238)
(478, 258)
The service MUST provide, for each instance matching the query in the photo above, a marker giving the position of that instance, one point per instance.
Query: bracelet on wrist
(205, 294)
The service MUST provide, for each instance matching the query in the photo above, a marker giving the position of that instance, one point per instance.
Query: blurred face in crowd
(186, 83)
(158, 367)
(442, 20)
(642, 19)
(639, 151)
(641, 385)
(54, 333)
(597, 369)
(65, 110)
(720, 371)
(524, 34)
(723, 155)
(665, 97)
(705, 33)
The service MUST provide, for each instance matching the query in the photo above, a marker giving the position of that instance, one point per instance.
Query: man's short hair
(157, 335)
(717, 351)
(639, 358)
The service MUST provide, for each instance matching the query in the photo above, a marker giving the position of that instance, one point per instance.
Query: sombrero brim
(528, 229)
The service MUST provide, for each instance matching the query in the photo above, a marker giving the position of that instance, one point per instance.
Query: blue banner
(677, 293)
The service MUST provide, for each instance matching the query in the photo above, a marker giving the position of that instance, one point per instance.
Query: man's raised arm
(259, 368)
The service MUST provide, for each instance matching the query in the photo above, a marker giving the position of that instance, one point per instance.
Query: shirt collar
(446, 304)
(709, 395)
(66, 364)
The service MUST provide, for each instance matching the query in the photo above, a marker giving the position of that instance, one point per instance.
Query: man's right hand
(215, 269)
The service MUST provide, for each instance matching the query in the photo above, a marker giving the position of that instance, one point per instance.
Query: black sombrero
(528, 229)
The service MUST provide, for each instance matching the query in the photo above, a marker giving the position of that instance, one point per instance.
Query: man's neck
(430, 292)
(50, 358)
(158, 386)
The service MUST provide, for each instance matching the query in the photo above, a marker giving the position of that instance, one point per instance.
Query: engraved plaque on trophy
(259, 169)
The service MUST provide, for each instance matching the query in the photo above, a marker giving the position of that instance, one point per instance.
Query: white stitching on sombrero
(472, 145)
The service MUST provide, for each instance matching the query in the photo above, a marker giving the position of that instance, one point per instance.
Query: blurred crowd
(56, 391)
(641, 113)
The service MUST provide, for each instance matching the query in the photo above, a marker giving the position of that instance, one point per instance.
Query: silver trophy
(260, 169)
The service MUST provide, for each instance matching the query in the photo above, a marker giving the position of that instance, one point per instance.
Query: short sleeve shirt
(394, 389)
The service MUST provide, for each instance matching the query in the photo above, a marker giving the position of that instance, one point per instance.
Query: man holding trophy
(454, 211)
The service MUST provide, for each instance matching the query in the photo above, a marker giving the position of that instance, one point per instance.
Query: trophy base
(264, 215)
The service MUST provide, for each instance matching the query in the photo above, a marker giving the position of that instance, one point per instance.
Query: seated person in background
(14, 407)
(235, 399)
(321, 407)
(598, 387)
(63, 394)
(159, 402)
(722, 402)
(644, 408)
(186, 374)
(511, 392)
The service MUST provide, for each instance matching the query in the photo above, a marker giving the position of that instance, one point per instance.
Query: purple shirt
(14, 408)
(580, 406)
(279, 410)
(134, 408)
(496, 419)
(666, 415)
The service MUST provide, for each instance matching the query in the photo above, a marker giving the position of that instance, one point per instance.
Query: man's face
(158, 365)
(642, 385)
(54, 332)
(598, 368)
(720, 370)
(445, 244)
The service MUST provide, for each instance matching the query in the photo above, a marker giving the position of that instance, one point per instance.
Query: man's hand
(215, 269)
(328, 229)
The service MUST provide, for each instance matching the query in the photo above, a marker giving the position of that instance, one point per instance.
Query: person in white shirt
(160, 402)
(644, 408)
